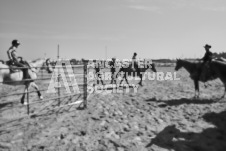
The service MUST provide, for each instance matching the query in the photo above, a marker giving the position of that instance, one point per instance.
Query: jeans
(25, 70)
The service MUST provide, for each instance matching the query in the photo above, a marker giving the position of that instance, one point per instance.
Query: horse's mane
(191, 61)
(33, 61)
(219, 62)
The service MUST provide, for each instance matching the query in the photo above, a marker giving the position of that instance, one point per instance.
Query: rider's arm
(204, 57)
(9, 53)
(211, 55)
(14, 55)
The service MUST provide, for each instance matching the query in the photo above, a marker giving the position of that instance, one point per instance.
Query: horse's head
(150, 65)
(49, 67)
(40, 64)
(179, 64)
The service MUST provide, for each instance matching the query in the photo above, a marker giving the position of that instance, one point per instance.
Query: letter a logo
(60, 74)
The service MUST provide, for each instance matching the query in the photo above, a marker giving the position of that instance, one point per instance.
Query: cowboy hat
(207, 46)
(15, 42)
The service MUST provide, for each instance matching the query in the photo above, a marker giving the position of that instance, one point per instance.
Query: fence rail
(59, 96)
(73, 66)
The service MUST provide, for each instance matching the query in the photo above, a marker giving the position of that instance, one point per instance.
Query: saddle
(12, 66)
(203, 72)
(207, 73)
(134, 67)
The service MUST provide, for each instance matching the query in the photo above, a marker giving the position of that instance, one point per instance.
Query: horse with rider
(17, 71)
(208, 68)
(15, 60)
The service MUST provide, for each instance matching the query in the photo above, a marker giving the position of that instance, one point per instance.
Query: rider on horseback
(97, 66)
(113, 70)
(208, 55)
(207, 58)
(134, 62)
(14, 59)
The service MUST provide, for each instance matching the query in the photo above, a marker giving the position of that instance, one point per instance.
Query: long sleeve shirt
(208, 56)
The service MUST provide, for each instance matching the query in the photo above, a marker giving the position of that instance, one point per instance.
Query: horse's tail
(120, 70)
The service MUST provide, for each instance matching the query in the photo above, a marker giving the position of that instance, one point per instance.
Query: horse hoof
(222, 97)
(196, 97)
(41, 97)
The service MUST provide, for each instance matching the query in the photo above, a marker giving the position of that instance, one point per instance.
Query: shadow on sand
(176, 102)
(210, 139)
(5, 104)
(51, 110)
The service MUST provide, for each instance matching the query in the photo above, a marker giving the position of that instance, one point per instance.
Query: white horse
(9, 77)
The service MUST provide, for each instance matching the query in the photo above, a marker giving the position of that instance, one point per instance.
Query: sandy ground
(161, 116)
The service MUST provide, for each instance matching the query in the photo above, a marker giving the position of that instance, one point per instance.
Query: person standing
(134, 62)
(113, 70)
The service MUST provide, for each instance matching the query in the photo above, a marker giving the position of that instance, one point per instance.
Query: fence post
(28, 109)
(58, 88)
(58, 77)
(85, 83)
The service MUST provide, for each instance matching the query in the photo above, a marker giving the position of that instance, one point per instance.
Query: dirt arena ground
(161, 116)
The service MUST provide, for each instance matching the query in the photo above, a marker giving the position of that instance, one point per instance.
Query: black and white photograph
(112, 75)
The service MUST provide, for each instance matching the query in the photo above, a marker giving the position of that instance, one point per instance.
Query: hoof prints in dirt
(155, 118)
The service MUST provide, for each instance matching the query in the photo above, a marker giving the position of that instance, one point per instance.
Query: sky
(96, 29)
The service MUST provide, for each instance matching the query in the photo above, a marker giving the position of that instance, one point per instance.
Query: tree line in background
(170, 61)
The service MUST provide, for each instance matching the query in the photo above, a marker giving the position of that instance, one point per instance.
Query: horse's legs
(22, 98)
(122, 79)
(196, 82)
(126, 79)
(224, 91)
(97, 81)
(37, 89)
(113, 78)
(102, 81)
(1, 83)
(120, 70)
(140, 83)
(25, 92)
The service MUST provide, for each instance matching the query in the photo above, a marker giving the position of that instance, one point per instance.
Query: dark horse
(217, 70)
(130, 71)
